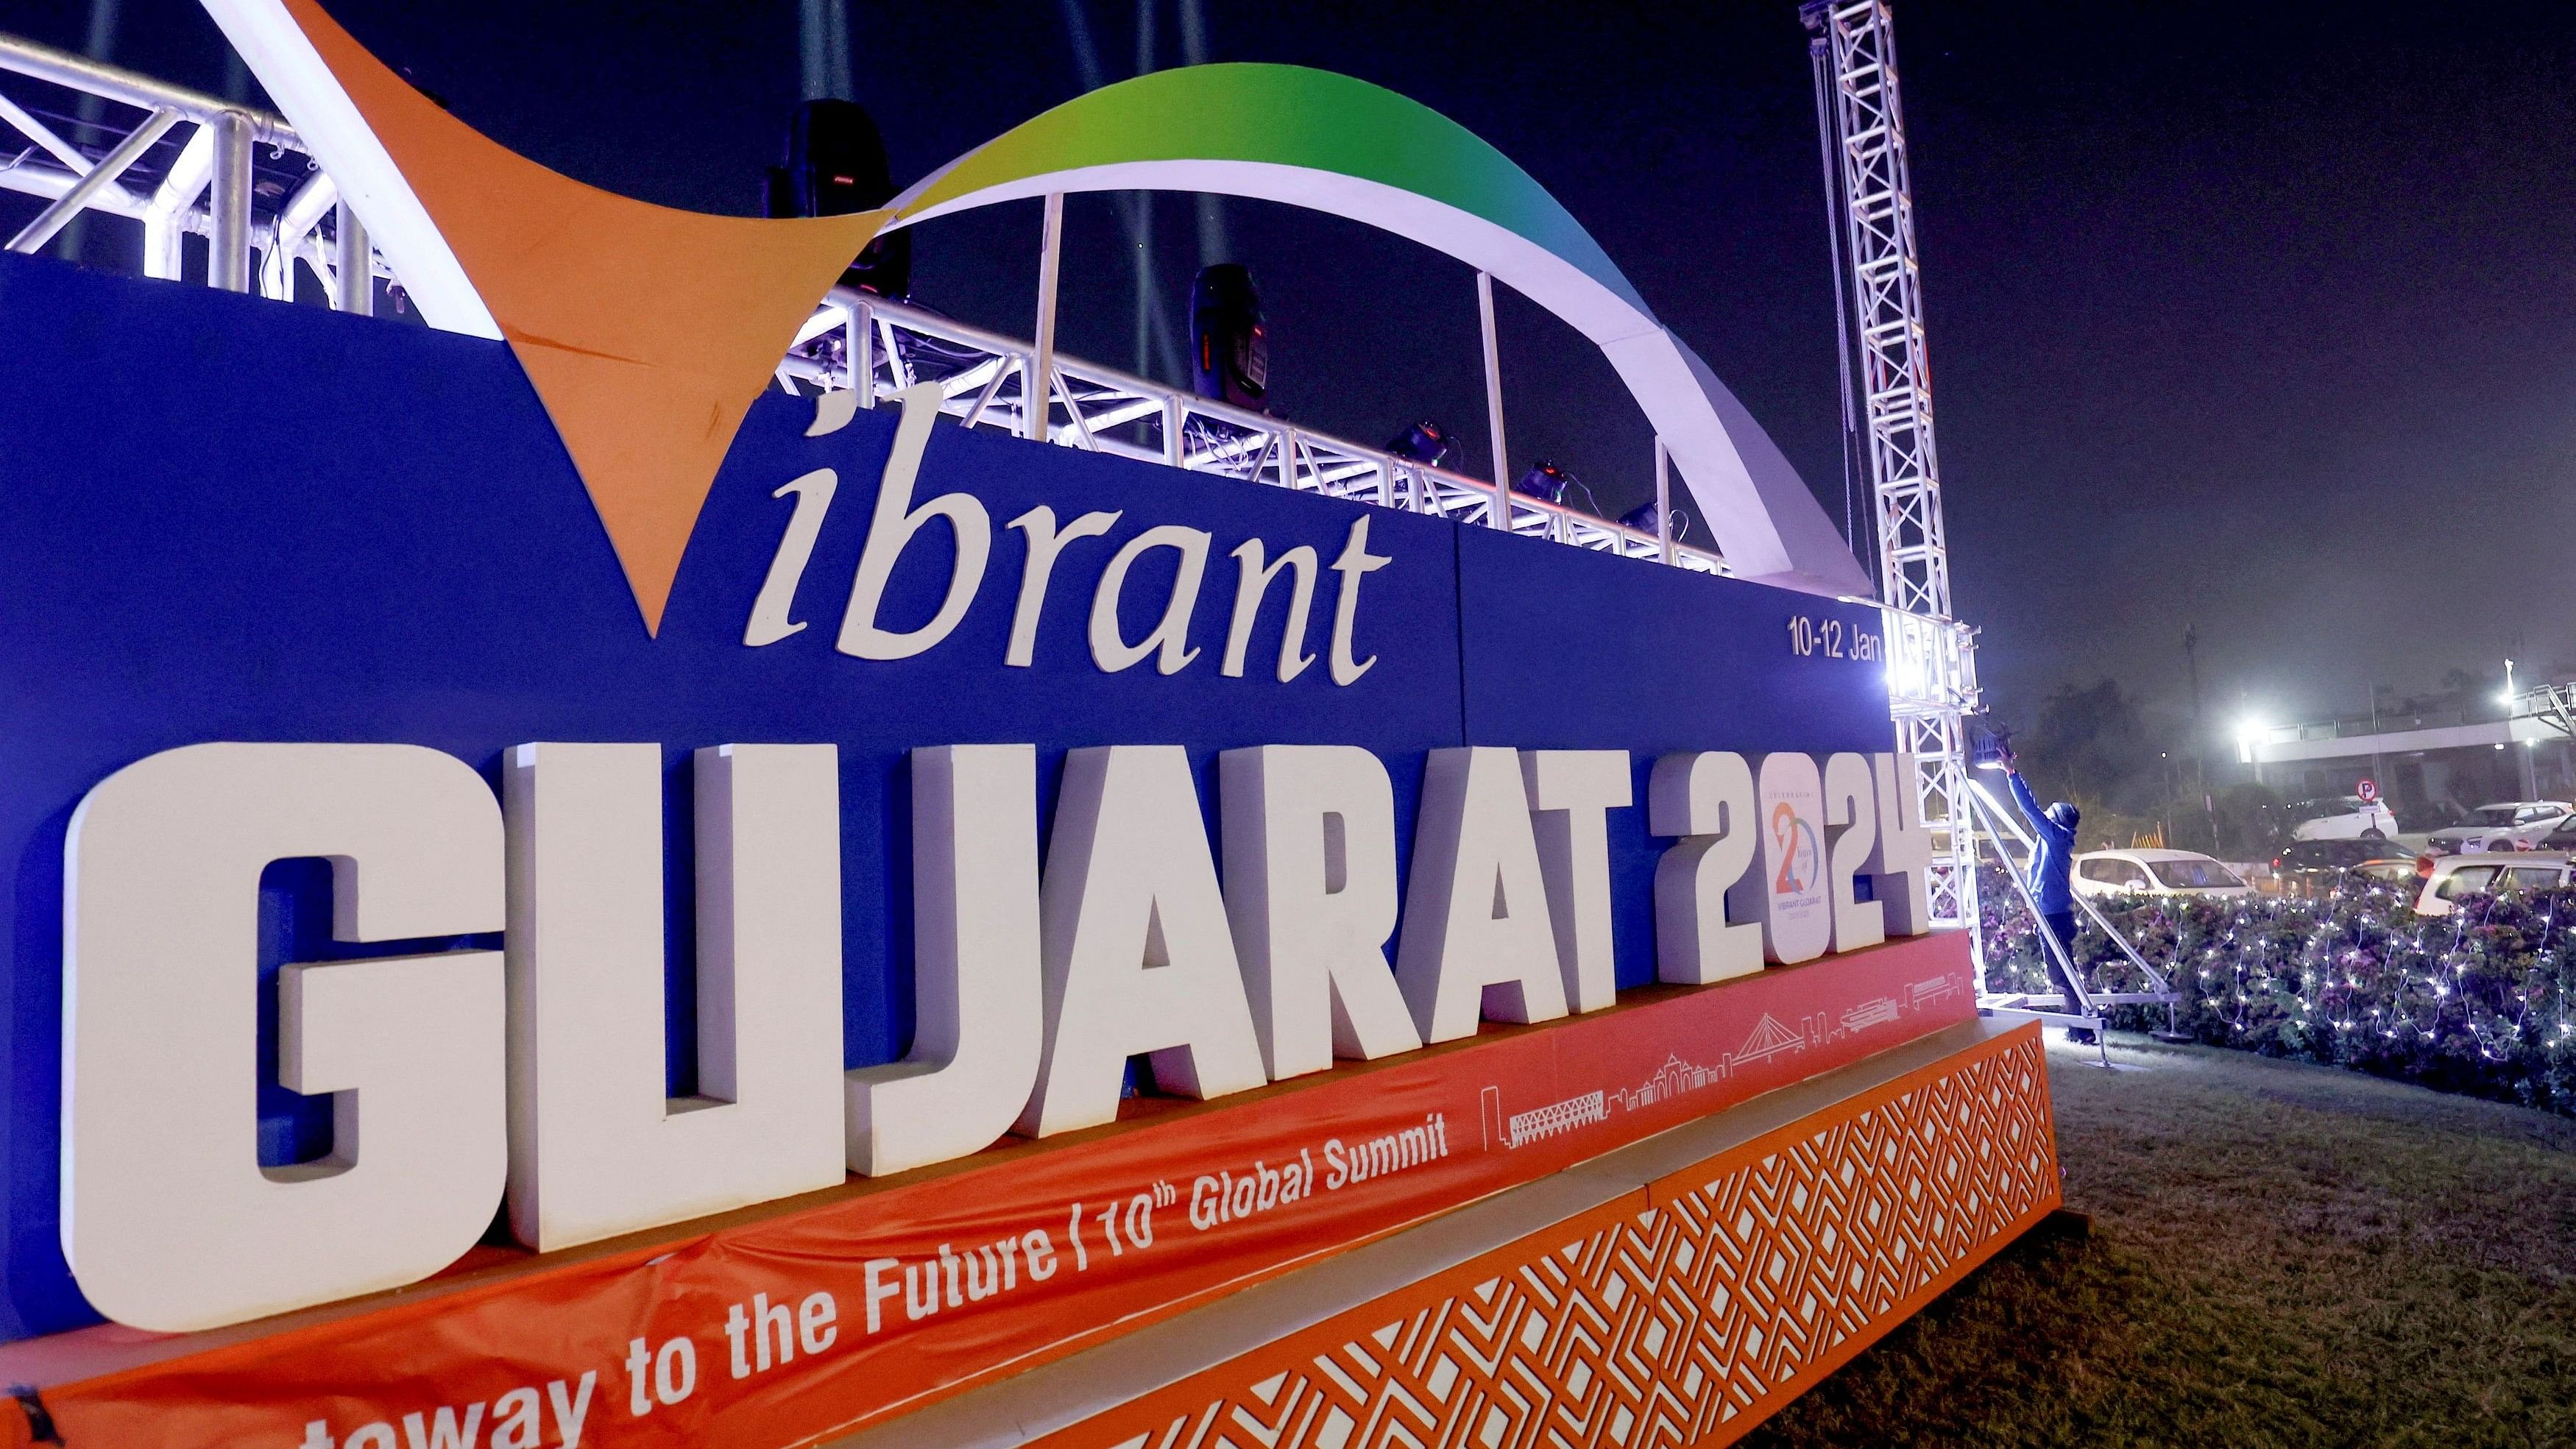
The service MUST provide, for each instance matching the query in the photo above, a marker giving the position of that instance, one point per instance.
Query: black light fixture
(1426, 442)
(836, 165)
(1545, 480)
(1229, 348)
(1989, 743)
(1642, 518)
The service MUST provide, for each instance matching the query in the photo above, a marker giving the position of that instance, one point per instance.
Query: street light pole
(2199, 737)
(2377, 778)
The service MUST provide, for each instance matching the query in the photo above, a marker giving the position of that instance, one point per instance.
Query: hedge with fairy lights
(2481, 1001)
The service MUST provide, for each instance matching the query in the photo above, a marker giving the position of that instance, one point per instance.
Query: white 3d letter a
(1477, 937)
(1138, 955)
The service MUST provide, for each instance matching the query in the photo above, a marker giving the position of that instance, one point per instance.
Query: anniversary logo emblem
(582, 895)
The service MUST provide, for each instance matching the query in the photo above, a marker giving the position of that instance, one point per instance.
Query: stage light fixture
(1426, 442)
(1987, 743)
(1544, 480)
(836, 165)
(1229, 347)
(2249, 733)
(1642, 518)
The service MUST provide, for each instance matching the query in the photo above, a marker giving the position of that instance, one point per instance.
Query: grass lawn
(2281, 1254)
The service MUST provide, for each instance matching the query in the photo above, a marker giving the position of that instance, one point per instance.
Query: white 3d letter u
(597, 1146)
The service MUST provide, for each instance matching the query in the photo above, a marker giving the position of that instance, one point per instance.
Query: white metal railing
(179, 163)
(985, 379)
(2552, 706)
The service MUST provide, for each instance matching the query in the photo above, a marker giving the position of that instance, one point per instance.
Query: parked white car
(2454, 876)
(2507, 825)
(2342, 817)
(2155, 873)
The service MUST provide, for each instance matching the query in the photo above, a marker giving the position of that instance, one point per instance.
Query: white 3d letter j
(975, 966)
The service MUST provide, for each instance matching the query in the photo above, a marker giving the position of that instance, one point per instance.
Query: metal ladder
(2085, 1011)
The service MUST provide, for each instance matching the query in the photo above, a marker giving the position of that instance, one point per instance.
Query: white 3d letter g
(168, 1218)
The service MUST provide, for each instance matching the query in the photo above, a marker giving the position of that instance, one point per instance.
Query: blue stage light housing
(1544, 480)
(1642, 518)
(1425, 442)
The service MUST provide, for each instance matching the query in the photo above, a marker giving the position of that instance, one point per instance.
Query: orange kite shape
(646, 331)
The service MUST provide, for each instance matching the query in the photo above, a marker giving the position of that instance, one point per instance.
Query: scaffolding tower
(1931, 671)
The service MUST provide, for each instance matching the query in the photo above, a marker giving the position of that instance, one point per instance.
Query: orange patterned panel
(1684, 1313)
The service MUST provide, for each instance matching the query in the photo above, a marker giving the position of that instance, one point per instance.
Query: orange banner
(817, 1319)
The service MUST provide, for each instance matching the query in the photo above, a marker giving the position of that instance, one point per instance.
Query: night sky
(2254, 317)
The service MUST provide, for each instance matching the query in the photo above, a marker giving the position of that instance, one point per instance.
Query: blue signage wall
(228, 519)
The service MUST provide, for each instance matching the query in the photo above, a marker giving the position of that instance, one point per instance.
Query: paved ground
(2281, 1254)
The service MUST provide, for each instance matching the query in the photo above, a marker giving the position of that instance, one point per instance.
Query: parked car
(2441, 814)
(2342, 817)
(2508, 825)
(2318, 869)
(2155, 873)
(2453, 876)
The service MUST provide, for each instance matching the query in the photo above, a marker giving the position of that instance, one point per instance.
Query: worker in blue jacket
(2052, 867)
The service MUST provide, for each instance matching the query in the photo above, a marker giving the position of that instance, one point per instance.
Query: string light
(2483, 1001)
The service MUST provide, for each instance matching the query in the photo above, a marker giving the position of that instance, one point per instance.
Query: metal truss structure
(181, 163)
(2554, 705)
(1932, 673)
(984, 376)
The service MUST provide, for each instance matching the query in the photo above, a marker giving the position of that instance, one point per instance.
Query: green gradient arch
(1288, 115)
(1331, 143)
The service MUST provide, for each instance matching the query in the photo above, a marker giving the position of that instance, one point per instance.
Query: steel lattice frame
(983, 380)
(234, 174)
(277, 223)
(1932, 681)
